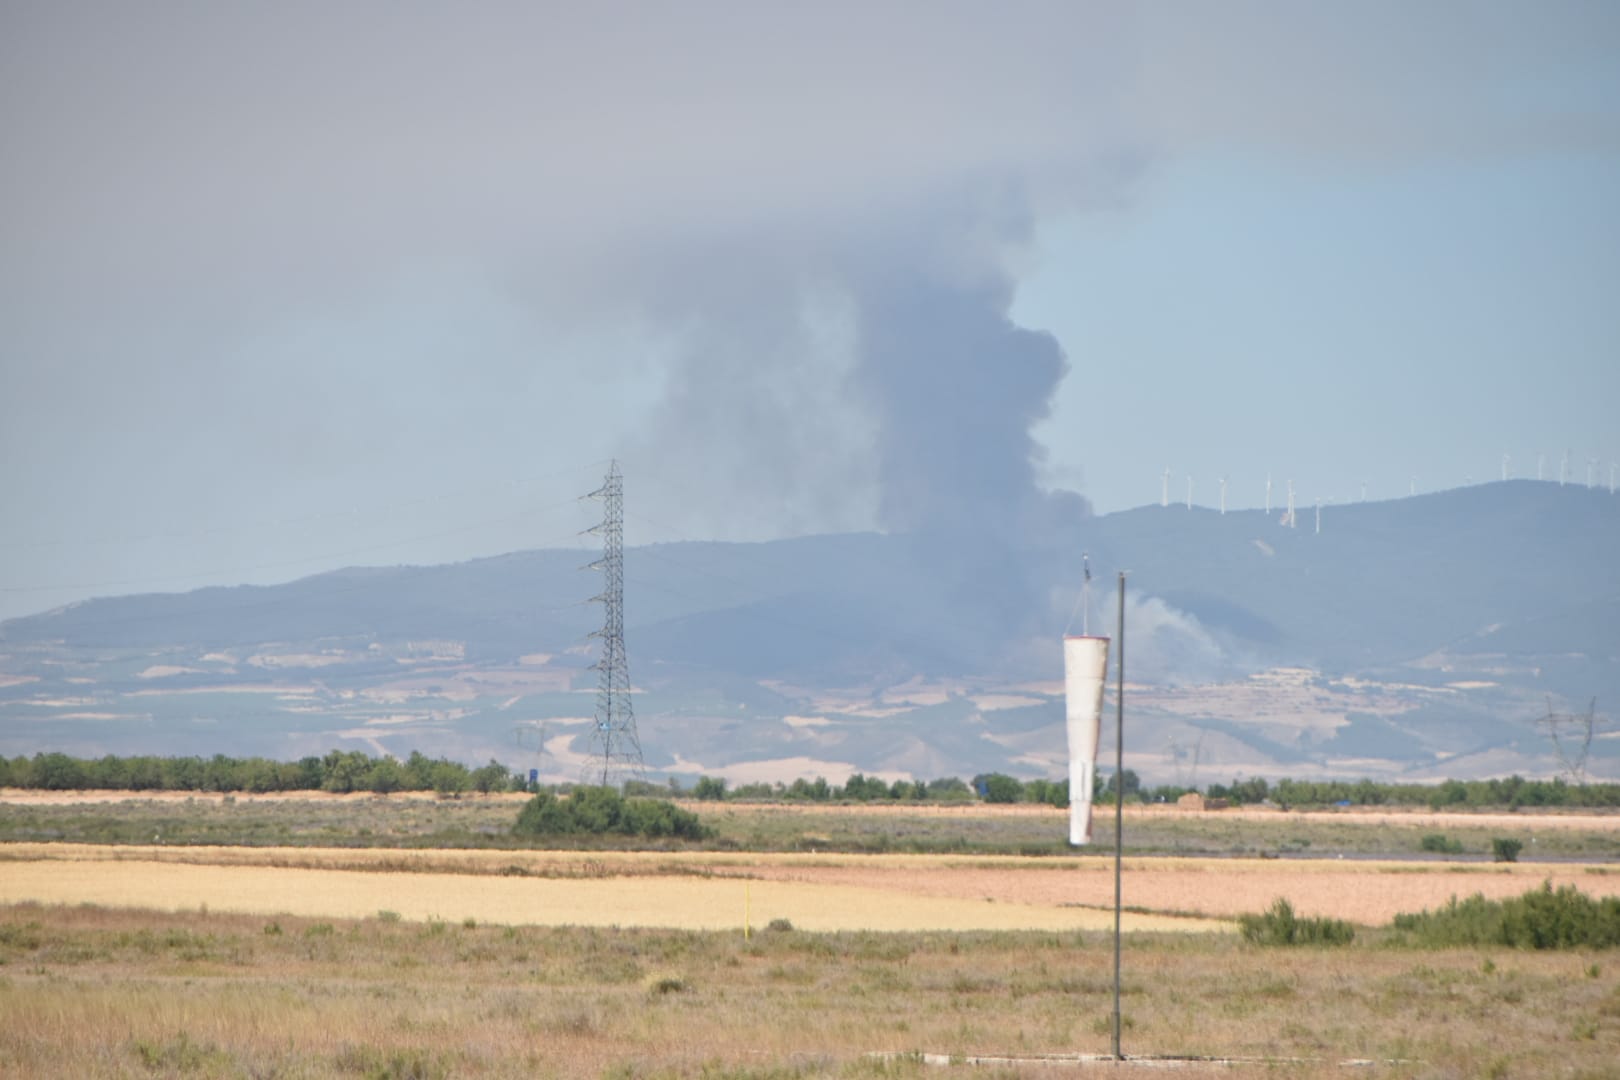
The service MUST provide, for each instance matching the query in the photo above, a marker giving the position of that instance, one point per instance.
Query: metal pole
(1119, 798)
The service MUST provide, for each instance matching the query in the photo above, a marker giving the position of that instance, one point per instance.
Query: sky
(290, 287)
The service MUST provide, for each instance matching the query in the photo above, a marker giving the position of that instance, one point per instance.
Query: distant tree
(908, 789)
(491, 777)
(710, 788)
(260, 775)
(109, 773)
(57, 772)
(998, 788)
(21, 773)
(949, 789)
(385, 776)
(865, 788)
(308, 775)
(419, 772)
(450, 777)
(344, 772)
(222, 773)
(1039, 791)
(1132, 785)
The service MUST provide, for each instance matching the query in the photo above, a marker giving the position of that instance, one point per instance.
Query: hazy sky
(285, 287)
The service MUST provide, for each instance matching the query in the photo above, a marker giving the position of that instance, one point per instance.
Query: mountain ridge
(1428, 630)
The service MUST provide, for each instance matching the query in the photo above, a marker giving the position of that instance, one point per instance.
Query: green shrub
(181, 1055)
(601, 811)
(1540, 919)
(544, 815)
(1506, 849)
(1280, 926)
(1442, 845)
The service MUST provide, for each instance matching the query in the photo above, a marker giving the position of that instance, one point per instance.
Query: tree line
(338, 771)
(1512, 792)
(353, 770)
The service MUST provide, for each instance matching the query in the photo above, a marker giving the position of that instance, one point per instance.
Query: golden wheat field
(677, 891)
(712, 891)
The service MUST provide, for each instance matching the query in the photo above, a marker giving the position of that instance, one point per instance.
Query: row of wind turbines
(1289, 520)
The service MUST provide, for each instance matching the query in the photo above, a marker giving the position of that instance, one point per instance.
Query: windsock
(1085, 669)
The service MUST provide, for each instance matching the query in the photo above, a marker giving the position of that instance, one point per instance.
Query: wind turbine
(1364, 491)
(1319, 515)
(1223, 496)
(1541, 459)
(1164, 494)
(1189, 491)
(1268, 494)
(1291, 522)
(1563, 469)
(1505, 461)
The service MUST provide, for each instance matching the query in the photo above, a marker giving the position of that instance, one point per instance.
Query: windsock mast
(1085, 595)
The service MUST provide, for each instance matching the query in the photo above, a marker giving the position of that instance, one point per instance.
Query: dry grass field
(385, 961)
(102, 992)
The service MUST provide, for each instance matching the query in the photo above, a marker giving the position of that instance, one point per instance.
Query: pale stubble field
(124, 960)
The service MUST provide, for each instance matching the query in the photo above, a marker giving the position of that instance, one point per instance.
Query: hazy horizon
(294, 288)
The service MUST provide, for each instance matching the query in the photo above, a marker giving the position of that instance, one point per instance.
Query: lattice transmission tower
(615, 754)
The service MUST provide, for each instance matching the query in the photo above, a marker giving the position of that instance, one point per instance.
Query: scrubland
(92, 991)
(363, 949)
(483, 821)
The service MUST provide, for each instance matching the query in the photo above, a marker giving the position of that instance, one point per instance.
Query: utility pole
(615, 748)
(1119, 798)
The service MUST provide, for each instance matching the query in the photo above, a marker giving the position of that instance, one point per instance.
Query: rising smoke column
(954, 387)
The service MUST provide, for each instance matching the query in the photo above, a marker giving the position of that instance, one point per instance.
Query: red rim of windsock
(1085, 637)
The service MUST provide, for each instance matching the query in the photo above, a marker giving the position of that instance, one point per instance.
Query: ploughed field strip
(712, 890)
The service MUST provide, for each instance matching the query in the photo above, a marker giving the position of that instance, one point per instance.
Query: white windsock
(1085, 668)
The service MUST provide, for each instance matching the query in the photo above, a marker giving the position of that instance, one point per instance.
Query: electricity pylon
(615, 754)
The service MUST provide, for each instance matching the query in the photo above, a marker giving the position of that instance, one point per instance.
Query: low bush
(601, 811)
(1442, 845)
(1540, 919)
(1506, 849)
(1280, 926)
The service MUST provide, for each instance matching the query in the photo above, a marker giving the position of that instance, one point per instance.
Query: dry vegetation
(378, 961)
(92, 992)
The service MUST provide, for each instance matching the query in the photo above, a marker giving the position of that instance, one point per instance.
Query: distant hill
(1429, 631)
